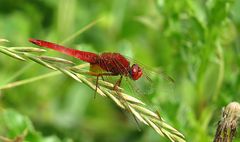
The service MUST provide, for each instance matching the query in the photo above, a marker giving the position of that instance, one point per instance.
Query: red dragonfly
(105, 64)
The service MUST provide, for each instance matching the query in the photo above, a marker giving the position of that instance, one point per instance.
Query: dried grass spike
(227, 126)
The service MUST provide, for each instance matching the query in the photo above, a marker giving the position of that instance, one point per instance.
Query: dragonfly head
(135, 72)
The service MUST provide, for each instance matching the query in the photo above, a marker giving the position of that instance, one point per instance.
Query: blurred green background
(195, 42)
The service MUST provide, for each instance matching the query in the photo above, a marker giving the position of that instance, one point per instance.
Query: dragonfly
(104, 64)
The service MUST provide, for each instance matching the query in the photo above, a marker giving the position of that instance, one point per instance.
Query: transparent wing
(152, 80)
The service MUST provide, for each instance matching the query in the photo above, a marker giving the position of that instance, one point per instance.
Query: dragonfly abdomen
(82, 55)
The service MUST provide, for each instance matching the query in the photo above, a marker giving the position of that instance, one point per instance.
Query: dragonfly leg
(100, 75)
(102, 78)
(96, 87)
(117, 84)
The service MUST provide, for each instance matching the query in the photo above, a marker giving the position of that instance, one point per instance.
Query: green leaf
(14, 122)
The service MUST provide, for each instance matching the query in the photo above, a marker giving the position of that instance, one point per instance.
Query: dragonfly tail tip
(34, 41)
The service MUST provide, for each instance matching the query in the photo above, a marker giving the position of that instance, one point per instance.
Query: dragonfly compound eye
(135, 72)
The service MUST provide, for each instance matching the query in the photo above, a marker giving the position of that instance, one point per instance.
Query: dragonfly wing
(152, 80)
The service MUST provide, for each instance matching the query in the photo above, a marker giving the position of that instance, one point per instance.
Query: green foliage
(15, 126)
(195, 42)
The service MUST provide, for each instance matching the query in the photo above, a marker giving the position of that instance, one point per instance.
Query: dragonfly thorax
(135, 72)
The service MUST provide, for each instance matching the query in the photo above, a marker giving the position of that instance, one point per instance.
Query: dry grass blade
(27, 49)
(109, 85)
(3, 40)
(145, 111)
(135, 106)
(137, 115)
(90, 84)
(29, 80)
(131, 99)
(115, 99)
(38, 60)
(69, 73)
(9, 53)
(82, 30)
(55, 60)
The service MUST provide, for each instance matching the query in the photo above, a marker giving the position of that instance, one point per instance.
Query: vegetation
(195, 42)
